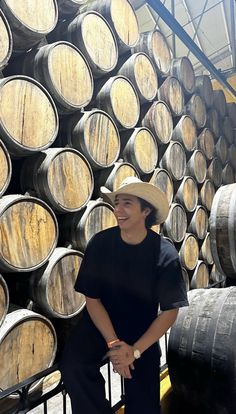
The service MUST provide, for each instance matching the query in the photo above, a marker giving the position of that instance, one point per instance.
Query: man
(127, 272)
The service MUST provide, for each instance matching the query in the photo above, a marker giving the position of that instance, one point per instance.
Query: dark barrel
(185, 132)
(159, 120)
(182, 69)
(171, 92)
(202, 353)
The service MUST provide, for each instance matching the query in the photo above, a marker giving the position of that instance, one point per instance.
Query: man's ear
(147, 211)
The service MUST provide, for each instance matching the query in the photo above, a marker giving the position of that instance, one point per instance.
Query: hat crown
(130, 180)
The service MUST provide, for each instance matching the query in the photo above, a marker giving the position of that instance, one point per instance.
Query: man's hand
(122, 358)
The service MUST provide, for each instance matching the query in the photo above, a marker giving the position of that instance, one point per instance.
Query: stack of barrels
(87, 100)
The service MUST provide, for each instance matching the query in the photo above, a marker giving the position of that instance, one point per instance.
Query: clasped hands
(122, 357)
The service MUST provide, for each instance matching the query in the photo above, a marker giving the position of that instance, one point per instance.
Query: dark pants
(80, 369)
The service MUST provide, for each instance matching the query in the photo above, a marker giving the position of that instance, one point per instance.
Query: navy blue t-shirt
(132, 281)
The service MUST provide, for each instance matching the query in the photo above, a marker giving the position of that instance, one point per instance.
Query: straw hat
(148, 192)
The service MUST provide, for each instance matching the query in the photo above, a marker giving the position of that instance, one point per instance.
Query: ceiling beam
(192, 23)
(186, 39)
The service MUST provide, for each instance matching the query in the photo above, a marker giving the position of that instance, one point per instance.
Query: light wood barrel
(4, 299)
(207, 194)
(6, 168)
(217, 277)
(112, 177)
(159, 120)
(52, 286)
(6, 41)
(140, 70)
(219, 102)
(28, 231)
(205, 251)
(187, 194)
(141, 150)
(30, 22)
(34, 338)
(91, 33)
(196, 166)
(199, 222)
(221, 149)
(206, 143)
(222, 230)
(196, 108)
(174, 160)
(231, 110)
(185, 132)
(204, 89)
(227, 129)
(64, 72)
(122, 18)
(189, 252)
(171, 92)
(33, 110)
(162, 179)
(186, 278)
(60, 176)
(213, 121)
(67, 8)
(200, 278)
(228, 175)
(214, 172)
(175, 225)
(182, 69)
(78, 228)
(119, 99)
(94, 133)
(155, 45)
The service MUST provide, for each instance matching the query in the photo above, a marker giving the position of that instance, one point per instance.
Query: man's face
(128, 212)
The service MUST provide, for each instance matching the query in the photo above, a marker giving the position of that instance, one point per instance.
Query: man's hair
(151, 219)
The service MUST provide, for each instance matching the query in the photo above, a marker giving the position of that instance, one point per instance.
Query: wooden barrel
(196, 108)
(91, 33)
(155, 45)
(228, 175)
(186, 278)
(141, 150)
(112, 177)
(206, 194)
(213, 121)
(200, 278)
(200, 351)
(231, 110)
(159, 120)
(189, 252)
(28, 231)
(140, 70)
(122, 18)
(216, 277)
(64, 72)
(175, 225)
(182, 69)
(187, 194)
(185, 132)
(31, 22)
(174, 160)
(4, 299)
(6, 168)
(227, 129)
(219, 102)
(119, 99)
(6, 41)
(221, 150)
(78, 228)
(214, 172)
(196, 166)
(205, 251)
(94, 133)
(60, 176)
(204, 89)
(67, 8)
(198, 224)
(162, 179)
(222, 230)
(35, 340)
(171, 92)
(52, 285)
(206, 143)
(33, 110)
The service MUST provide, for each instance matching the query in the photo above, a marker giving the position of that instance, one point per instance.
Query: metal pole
(173, 33)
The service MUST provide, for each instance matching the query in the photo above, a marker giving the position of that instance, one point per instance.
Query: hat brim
(147, 192)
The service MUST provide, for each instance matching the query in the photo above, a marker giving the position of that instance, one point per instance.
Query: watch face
(137, 354)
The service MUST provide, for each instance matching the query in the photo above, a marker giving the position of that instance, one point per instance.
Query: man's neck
(134, 236)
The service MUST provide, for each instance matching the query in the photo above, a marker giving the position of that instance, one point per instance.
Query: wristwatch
(137, 354)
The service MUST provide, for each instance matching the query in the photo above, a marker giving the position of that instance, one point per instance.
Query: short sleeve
(87, 281)
(171, 289)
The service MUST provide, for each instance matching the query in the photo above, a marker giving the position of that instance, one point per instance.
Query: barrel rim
(3, 284)
(8, 158)
(10, 48)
